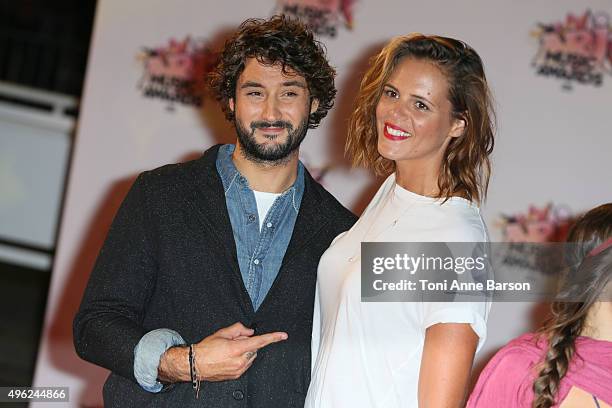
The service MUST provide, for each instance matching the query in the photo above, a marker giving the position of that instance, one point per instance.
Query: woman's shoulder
(517, 357)
(531, 344)
(508, 376)
(459, 223)
(379, 199)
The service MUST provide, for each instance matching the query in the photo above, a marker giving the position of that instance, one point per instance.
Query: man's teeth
(396, 132)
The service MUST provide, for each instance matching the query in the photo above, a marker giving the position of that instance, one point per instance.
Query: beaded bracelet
(195, 382)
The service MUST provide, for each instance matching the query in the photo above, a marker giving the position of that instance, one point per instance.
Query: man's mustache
(260, 124)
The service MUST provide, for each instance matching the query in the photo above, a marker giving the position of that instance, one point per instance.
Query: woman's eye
(421, 106)
(390, 93)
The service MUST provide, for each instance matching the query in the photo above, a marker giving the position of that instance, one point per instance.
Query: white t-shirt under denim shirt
(368, 354)
(264, 203)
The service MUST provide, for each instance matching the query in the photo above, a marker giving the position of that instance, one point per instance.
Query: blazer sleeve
(108, 325)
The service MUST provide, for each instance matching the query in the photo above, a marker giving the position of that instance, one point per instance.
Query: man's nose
(270, 110)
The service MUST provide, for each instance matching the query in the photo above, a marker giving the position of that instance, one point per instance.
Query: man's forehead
(256, 70)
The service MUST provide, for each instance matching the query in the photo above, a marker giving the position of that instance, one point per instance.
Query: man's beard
(277, 154)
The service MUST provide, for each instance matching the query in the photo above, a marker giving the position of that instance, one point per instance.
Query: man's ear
(458, 127)
(314, 105)
(230, 103)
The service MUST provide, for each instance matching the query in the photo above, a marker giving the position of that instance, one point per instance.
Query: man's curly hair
(279, 40)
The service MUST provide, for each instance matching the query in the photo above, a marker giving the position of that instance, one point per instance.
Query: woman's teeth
(396, 132)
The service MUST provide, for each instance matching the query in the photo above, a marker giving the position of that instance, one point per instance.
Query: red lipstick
(395, 137)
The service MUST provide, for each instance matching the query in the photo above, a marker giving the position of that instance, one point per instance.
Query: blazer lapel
(307, 226)
(309, 221)
(210, 209)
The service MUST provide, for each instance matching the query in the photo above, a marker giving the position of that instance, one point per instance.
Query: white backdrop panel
(552, 145)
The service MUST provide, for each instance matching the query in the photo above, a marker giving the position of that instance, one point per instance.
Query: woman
(570, 363)
(424, 115)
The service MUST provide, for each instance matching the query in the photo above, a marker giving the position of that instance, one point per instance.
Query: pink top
(507, 380)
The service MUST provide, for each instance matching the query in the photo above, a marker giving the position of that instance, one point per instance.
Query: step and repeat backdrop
(549, 64)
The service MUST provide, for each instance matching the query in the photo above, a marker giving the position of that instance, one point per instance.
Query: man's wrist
(147, 355)
(174, 365)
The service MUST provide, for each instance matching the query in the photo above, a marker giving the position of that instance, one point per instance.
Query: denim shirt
(260, 254)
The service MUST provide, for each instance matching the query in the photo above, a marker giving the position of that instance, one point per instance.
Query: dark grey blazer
(169, 260)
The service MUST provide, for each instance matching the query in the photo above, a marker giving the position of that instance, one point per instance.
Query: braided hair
(586, 278)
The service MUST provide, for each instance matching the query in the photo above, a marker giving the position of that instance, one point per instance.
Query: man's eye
(254, 93)
(290, 93)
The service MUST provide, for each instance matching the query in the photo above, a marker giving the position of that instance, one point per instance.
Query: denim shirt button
(251, 217)
(269, 225)
(256, 262)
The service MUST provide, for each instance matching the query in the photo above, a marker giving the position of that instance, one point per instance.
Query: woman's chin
(389, 152)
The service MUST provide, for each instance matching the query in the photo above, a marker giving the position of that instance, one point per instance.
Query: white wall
(553, 145)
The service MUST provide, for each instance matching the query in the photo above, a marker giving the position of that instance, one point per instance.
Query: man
(207, 277)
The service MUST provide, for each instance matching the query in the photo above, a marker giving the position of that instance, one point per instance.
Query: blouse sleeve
(472, 313)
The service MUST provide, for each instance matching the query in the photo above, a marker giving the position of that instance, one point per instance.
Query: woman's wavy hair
(279, 40)
(587, 277)
(466, 168)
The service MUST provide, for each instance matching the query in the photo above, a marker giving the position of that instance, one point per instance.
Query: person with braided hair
(569, 363)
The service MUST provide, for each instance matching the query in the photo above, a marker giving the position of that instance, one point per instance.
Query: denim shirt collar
(230, 176)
